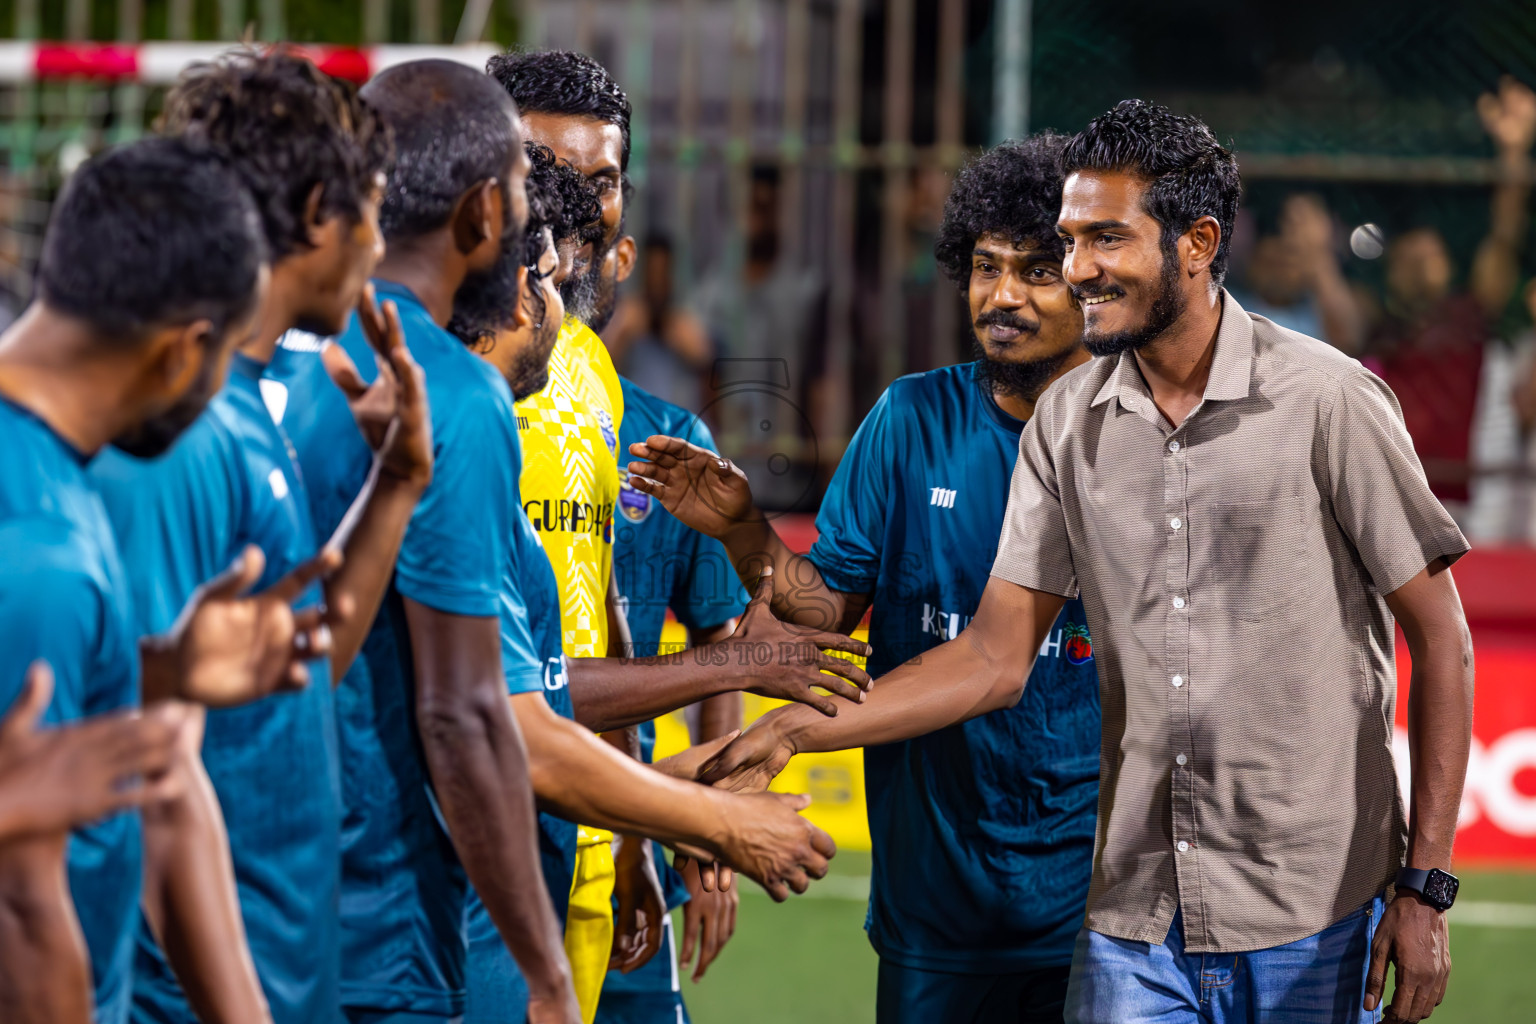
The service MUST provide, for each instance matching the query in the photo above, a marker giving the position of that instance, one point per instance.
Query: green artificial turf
(808, 961)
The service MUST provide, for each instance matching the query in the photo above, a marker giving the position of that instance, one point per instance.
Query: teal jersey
(64, 598)
(181, 519)
(403, 890)
(531, 649)
(983, 832)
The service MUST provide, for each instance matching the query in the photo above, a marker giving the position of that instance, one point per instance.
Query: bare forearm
(480, 773)
(719, 715)
(800, 594)
(1496, 266)
(193, 905)
(370, 535)
(1440, 740)
(613, 693)
(952, 683)
(1343, 321)
(45, 973)
(581, 778)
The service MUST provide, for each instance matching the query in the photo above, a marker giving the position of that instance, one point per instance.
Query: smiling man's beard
(1167, 307)
(1011, 379)
(530, 370)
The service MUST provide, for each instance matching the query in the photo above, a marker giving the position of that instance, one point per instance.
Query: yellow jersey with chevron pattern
(570, 482)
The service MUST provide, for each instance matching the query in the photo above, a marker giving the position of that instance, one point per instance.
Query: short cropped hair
(1189, 174)
(1013, 190)
(286, 127)
(154, 233)
(563, 82)
(453, 127)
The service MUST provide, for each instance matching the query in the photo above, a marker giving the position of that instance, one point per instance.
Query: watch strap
(1412, 878)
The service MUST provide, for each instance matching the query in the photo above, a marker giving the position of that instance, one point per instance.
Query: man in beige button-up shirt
(1243, 514)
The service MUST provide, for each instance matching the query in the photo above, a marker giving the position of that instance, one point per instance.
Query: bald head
(454, 127)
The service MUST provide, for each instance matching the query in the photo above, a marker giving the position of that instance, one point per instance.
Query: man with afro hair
(983, 830)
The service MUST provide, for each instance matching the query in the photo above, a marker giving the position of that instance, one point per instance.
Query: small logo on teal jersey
(633, 505)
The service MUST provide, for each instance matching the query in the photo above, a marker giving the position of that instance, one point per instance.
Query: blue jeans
(1319, 978)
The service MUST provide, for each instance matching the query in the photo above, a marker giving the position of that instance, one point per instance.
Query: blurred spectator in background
(768, 323)
(1294, 279)
(657, 344)
(1424, 339)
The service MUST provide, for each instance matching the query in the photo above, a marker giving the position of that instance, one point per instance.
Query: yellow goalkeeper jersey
(570, 482)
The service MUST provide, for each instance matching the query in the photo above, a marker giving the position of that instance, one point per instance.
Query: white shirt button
(1173, 446)
(1178, 681)
(1176, 522)
(1183, 846)
(1178, 602)
(1182, 760)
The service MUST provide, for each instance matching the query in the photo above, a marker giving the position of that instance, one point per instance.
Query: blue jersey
(180, 520)
(64, 598)
(983, 832)
(403, 890)
(659, 564)
(534, 661)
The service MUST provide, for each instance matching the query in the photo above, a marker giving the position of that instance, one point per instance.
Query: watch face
(1440, 888)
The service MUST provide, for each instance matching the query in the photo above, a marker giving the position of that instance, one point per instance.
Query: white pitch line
(1473, 914)
(1480, 914)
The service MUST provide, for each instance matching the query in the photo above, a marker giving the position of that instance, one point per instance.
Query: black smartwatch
(1437, 887)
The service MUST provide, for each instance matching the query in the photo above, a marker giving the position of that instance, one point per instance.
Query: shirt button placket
(1181, 611)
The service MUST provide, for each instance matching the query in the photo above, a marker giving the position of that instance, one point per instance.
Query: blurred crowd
(1454, 342)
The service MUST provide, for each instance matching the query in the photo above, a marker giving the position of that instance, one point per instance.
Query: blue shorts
(1318, 978)
(911, 995)
(646, 995)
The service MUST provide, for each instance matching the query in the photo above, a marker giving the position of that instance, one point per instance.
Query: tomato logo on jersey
(1079, 648)
(633, 505)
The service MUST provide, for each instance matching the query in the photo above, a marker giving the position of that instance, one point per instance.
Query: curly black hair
(286, 126)
(561, 203)
(563, 82)
(1013, 189)
(156, 232)
(1189, 173)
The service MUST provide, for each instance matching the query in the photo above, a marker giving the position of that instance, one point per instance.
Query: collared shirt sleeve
(1381, 499)
(854, 514)
(1034, 550)
(455, 548)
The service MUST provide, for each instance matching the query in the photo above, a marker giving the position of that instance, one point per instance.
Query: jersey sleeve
(455, 548)
(51, 608)
(708, 592)
(520, 660)
(851, 523)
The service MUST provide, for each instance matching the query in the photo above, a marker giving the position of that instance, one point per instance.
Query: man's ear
(522, 316)
(475, 216)
(175, 359)
(1204, 237)
(313, 221)
(624, 251)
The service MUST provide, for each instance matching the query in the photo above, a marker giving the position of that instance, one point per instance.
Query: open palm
(706, 491)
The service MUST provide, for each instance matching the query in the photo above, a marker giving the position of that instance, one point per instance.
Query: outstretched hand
(706, 491)
(56, 779)
(229, 647)
(774, 658)
(391, 413)
(770, 843)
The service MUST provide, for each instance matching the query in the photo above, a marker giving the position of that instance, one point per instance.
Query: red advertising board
(1498, 808)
